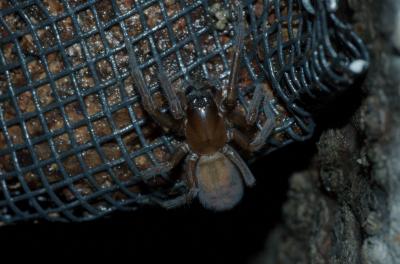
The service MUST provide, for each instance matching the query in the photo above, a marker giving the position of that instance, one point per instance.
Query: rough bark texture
(346, 207)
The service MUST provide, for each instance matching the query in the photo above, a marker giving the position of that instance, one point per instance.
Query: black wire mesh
(74, 137)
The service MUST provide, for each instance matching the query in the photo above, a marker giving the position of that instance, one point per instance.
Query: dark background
(190, 235)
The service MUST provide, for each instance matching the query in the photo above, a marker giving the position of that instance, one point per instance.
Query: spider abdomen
(219, 182)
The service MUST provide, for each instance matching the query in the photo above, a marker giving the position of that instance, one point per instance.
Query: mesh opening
(74, 137)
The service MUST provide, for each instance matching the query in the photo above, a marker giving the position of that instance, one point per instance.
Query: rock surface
(345, 208)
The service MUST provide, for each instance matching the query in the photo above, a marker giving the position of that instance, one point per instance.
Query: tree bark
(345, 208)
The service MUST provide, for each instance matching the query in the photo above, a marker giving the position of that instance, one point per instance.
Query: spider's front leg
(165, 120)
(232, 89)
(173, 99)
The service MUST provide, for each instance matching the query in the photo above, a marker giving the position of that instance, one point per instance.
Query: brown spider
(215, 172)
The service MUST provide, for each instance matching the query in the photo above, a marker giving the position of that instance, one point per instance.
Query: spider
(215, 173)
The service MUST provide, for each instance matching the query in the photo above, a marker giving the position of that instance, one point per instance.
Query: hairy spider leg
(180, 152)
(174, 101)
(232, 89)
(165, 120)
(247, 176)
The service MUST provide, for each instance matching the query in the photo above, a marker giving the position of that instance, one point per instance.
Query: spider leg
(172, 98)
(232, 89)
(268, 126)
(238, 161)
(168, 165)
(244, 121)
(186, 198)
(260, 138)
(191, 179)
(164, 120)
(258, 96)
(182, 99)
(251, 145)
(171, 203)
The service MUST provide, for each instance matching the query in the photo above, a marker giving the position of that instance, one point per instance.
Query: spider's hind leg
(191, 180)
(172, 203)
(238, 161)
(191, 183)
(168, 165)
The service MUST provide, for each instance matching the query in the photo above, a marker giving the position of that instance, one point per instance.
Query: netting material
(74, 138)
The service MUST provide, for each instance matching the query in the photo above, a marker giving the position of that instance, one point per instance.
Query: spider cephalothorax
(205, 129)
(215, 172)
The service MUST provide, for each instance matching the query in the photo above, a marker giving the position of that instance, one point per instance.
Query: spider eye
(200, 98)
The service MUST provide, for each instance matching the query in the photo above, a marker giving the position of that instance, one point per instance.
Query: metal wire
(74, 138)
